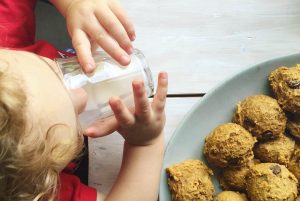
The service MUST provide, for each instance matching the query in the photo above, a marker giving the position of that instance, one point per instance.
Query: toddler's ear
(79, 98)
(61, 145)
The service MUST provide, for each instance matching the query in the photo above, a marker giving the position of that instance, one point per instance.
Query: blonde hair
(30, 161)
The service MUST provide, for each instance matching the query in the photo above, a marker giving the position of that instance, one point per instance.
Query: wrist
(62, 5)
(153, 142)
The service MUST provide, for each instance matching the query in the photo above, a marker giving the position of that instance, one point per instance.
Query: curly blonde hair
(30, 161)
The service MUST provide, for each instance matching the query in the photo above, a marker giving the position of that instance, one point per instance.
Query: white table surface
(199, 43)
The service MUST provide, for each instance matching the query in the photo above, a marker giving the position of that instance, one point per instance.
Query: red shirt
(72, 189)
(17, 31)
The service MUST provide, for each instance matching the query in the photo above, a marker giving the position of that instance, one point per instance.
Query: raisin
(275, 169)
(293, 84)
(249, 122)
(267, 135)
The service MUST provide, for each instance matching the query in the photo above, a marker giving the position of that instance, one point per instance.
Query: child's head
(39, 132)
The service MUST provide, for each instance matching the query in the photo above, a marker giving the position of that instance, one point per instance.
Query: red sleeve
(17, 29)
(17, 23)
(71, 189)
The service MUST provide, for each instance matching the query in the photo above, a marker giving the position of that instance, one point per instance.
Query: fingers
(115, 29)
(159, 99)
(123, 17)
(98, 34)
(142, 106)
(101, 128)
(81, 43)
(124, 117)
(103, 22)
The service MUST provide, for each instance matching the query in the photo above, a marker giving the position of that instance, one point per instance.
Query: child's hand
(98, 21)
(144, 124)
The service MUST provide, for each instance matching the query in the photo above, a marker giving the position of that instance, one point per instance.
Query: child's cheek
(79, 98)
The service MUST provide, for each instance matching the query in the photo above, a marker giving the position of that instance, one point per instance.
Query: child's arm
(139, 176)
(102, 22)
(140, 172)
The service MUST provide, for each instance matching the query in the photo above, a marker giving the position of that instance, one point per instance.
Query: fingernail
(136, 85)
(86, 132)
(89, 69)
(90, 132)
(164, 75)
(132, 37)
(125, 59)
(129, 50)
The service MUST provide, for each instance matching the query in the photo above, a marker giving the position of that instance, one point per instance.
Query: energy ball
(190, 180)
(271, 181)
(294, 165)
(279, 150)
(285, 83)
(229, 145)
(230, 196)
(262, 116)
(234, 178)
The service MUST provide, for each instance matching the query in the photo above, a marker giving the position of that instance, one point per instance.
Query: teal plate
(215, 108)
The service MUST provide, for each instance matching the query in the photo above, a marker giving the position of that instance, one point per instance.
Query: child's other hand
(103, 22)
(145, 124)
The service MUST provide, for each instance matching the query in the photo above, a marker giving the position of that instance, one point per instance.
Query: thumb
(103, 127)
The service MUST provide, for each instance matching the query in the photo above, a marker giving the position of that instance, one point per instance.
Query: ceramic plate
(215, 108)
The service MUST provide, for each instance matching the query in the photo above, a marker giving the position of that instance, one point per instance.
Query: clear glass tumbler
(109, 79)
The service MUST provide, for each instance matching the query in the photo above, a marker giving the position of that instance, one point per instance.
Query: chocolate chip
(294, 118)
(293, 84)
(267, 135)
(298, 159)
(213, 152)
(275, 169)
(289, 115)
(249, 122)
(288, 131)
(234, 161)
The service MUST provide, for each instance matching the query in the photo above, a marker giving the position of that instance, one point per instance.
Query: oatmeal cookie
(190, 180)
(271, 181)
(262, 116)
(229, 145)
